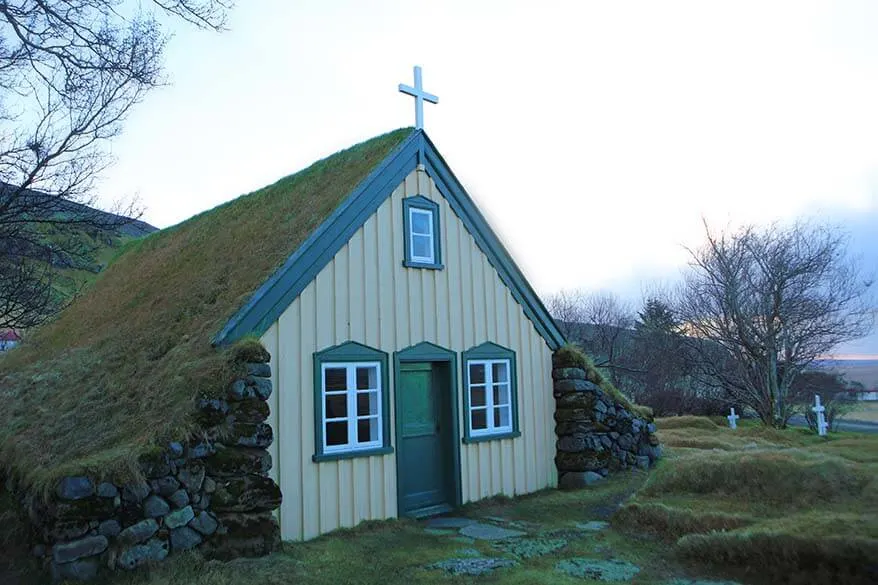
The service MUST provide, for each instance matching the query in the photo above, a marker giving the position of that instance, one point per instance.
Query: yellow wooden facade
(365, 294)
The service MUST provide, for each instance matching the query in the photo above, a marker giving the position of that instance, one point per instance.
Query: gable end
(276, 293)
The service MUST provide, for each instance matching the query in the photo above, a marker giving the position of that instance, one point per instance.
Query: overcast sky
(594, 135)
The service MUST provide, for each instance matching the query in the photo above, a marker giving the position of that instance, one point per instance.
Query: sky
(595, 136)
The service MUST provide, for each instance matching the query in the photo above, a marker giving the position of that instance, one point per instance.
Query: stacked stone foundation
(211, 492)
(596, 433)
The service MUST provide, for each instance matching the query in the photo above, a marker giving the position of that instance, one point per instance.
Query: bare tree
(70, 71)
(567, 309)
(600, 322)
(760, 305)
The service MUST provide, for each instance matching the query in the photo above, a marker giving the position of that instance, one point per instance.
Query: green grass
(118, 371)
(763, 505)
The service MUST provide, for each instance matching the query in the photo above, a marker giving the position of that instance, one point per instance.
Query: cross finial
(420, 96)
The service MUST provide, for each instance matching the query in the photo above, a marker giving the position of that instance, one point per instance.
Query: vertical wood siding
(366, 295)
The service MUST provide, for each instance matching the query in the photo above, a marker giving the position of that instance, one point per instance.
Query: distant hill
(79, 251)
(856, 370)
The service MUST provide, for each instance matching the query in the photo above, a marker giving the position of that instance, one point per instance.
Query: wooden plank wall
(365, 294)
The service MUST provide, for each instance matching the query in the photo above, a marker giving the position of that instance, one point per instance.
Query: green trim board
(421, 202)
(350, 352)
(430, 352)
(490, 351)
(270, 300)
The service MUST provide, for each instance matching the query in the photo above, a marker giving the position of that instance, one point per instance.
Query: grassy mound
(571, 356)
(779, 478)
(687, 422)
(671, 523)
(799, 552)
(118, 371)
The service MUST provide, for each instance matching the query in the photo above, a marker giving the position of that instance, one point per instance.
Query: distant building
(8, 339)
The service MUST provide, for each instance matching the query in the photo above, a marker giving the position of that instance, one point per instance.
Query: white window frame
(351, 392)
(488, 364)
(431, 259)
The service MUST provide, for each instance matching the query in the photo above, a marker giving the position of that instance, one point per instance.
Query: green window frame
(351, 395)
(422, 241)
(490, 393)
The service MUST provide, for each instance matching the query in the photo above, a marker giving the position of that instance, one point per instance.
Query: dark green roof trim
(276, 294)
(491, 245)
(303, 265)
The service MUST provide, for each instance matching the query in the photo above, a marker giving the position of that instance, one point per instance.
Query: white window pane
(422, 246)
(479, 419)
(501, 394)
(367, 378)
(500, 370)
(367, 403)
(477, 373)
(336, 406)
(368, 430)
(422, 222)
(335, 379)
(336, 434)
(502, 417)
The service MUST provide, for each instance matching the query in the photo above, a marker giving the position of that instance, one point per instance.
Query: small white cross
(420, 96)
(733, 419)
(821, 419)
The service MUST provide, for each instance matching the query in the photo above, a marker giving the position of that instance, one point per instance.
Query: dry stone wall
(211, 492)
(596, 433)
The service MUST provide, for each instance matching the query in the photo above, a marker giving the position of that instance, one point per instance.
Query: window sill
(410, 264)
(322, 457)
(497, 437)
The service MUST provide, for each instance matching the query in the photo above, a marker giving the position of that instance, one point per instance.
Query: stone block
(239, 390)
(135, 491)
(205, 523)
(584, 400)
(107, 490)
(589, 460)
(192, 477)
(140, 554)
(651, 428)
(179, 518)
(259, 370)
(179, 499)
(248, 493)
(262, 387)
(568, 374)
(164, 486)
(109, 528)
(573, 414)
(81, 570)
(79, 549)
(578, 479)
(175, 449)
(244, 535)
(155, 506)
(573, 427)
(140, 532)
(572, 444)
(201, 450)
(257, 435)
(212, 412)
(564, 386)
(249, 411)
(209, 485)
(641, 462)
(75, 488)
(238, 461)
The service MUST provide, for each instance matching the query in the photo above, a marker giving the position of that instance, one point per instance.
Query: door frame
(432, 353)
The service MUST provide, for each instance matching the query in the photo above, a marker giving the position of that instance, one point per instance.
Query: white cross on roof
(420, 97)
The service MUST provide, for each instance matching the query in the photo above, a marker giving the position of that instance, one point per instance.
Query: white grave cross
(420, 96)
(821, 419)
(733, 419)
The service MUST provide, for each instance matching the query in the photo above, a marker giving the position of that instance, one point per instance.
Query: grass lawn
(752, 505)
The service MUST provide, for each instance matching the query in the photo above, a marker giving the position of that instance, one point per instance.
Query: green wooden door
(425, 464)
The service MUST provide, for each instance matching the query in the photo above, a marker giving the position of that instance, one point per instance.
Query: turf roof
(118, 372)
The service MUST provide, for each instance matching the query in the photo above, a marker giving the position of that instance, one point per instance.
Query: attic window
(422, 236)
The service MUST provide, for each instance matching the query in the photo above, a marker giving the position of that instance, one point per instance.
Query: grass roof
(118, 372)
